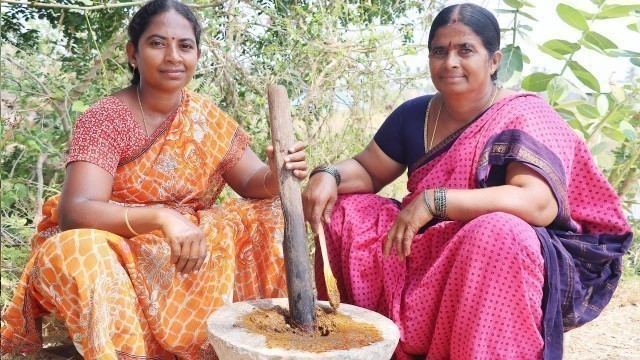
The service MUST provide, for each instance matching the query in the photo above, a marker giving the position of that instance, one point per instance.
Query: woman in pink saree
(509, 233)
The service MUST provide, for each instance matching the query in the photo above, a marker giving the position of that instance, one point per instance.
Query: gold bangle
(264, 183)
(126, 220)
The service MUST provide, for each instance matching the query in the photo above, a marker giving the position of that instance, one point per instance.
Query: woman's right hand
(318, 199)
(187, 242)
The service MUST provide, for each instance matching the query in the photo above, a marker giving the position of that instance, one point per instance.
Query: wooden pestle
(296, 259)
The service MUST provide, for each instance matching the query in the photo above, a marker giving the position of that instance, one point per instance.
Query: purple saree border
(516, 145)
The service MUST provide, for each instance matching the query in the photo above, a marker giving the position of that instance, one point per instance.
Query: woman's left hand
(295, 160)
(408, 222)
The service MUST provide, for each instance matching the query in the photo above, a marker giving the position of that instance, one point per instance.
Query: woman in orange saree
(136, 269)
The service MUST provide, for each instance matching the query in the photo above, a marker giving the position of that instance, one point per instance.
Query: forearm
(466, 205)
(354, 178)
(109, 217)
(263, 183)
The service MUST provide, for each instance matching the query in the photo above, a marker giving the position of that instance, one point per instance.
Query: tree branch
(39, 201)
(99, 7)
(60, 110)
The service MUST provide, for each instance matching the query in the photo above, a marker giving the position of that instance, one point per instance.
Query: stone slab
(236, 343)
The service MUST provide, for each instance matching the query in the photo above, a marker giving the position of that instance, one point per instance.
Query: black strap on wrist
(329, 169)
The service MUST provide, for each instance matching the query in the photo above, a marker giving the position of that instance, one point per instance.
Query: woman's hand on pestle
(295, 160)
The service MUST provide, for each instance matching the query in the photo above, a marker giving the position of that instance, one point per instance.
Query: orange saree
(119, 297)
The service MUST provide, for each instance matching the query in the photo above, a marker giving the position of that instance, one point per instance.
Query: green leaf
(557, 89)
(622, 53)
(79, 106)
(617, 93)
(584, 76)
(577, 125)
(588, 111)
(8, 200)
(598, 148)
(585, 14)
(537, 82)
(572, 17)
(603, 104)
(550, 52)
(614, 134)
(598, 2)
(600, 41)
(628, 131)
(7, 185)
(511, 63)
(21, 190)
(634, 27)
(590, 46)
(525, 27)
(505, 11)
(635, 61)
(616, 11)
(33, 145)
(513, 3)
(566, 114)
(561, 47)
(528, 16)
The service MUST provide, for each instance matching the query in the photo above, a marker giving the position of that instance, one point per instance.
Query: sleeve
(402, 130)
(95, 139)
(239, 144)
(389, 135)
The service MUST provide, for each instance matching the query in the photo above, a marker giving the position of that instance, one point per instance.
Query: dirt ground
(615, 334)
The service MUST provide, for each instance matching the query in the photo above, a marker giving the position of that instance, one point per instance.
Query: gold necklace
(426, 125)
(144, 119)
(435, 126)
(493, 98)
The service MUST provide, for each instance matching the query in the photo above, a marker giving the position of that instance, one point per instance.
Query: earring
(133, 66)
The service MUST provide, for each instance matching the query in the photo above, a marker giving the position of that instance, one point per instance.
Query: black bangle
(329, 169)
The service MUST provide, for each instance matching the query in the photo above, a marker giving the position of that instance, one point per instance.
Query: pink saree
(495, 287)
